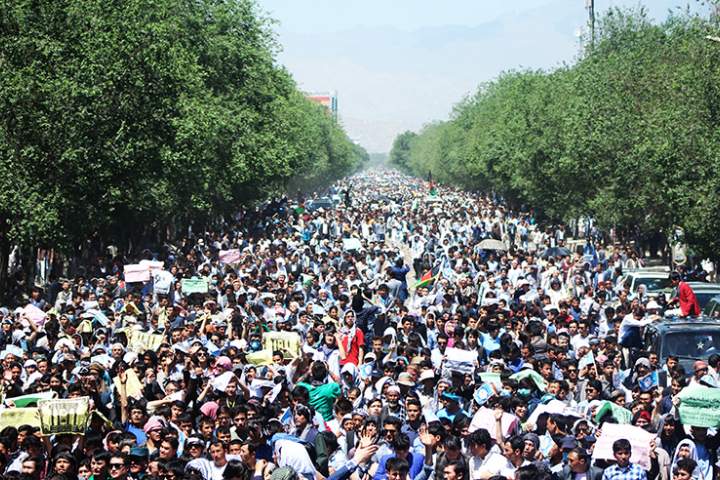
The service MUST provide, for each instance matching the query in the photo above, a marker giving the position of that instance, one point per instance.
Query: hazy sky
(399, 64)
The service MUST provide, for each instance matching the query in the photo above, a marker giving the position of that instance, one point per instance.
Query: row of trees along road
(629, 134)
(122, 119)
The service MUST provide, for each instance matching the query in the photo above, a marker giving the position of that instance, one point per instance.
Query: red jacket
(689, 306)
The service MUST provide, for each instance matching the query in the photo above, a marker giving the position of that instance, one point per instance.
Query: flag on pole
(429, 277)
(648, 382)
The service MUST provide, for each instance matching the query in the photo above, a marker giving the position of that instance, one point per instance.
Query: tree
(120, 119)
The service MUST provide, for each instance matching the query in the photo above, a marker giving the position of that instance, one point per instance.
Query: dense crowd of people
(440, 335)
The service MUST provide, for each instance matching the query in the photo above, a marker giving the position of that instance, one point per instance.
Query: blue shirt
(490, 344)
(416, 465)
(139, 433)
(631, 472)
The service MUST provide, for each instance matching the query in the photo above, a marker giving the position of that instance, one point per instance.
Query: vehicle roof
(658, 269)
(680, 324)
(649, 274)
(704, 286)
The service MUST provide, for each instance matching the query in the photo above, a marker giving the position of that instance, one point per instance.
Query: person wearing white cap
(426, 392)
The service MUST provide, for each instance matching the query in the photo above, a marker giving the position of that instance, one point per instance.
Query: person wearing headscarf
(292, 454)
(686, 449)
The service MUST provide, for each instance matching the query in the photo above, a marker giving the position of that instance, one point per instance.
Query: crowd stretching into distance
(408, 331)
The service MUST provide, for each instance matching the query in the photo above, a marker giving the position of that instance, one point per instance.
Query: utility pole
(590, 5)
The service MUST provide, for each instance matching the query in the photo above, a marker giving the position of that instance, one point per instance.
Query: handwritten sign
(153, 265)
(141, 341)
(194, 285)
(64, 416)
(700, 406)
(229, 256)
(286, 342)
(639, 442)
(134, 273)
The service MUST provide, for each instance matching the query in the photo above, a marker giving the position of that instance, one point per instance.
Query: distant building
(326, 99)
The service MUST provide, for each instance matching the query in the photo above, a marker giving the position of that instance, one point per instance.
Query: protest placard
(14, 417)
(286, 342)
(533, 375)
(483, 393)
(485, 418)
(700, 406)
(351, 244)
(457, 360)
(491, 378)
(620, 414)
(261, 357)
(153, 265)
(229, 256)
(30, 399)
(64, 415)
(141, 341)
(162, 281)
(99, 317)
(587, 360)
(554, 407)
(194, 285)
(34, 314)
(639, 442)
(133, 387)
(136, 273)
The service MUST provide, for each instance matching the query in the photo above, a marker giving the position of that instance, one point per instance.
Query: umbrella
(491, 244)
(556, 252)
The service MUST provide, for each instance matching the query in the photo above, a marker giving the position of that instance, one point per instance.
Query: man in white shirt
(486, 460)
(213, 469)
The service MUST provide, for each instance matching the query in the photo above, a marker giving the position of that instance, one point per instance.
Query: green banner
(534, 376)
(620, 414)
(30, 400)
(700, 406)
(194, 285)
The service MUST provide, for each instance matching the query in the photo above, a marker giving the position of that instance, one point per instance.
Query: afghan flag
(429, 277)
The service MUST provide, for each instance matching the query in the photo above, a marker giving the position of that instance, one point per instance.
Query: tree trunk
(4, 258)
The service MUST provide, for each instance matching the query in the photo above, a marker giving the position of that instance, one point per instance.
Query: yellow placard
(14, 417)
(286, 342)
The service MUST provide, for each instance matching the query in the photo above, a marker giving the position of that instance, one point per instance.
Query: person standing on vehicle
(689, 305)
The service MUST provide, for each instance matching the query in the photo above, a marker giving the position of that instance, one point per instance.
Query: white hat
(427, 375)
(652, 305)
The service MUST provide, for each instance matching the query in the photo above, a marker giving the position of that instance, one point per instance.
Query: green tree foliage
(123, 117)
(400, 154)
(628, 134)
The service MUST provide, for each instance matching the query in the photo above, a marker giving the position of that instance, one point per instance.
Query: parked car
(656, 282)
(705, 292)
(689, 339)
